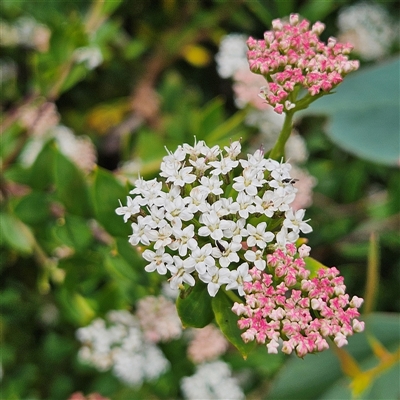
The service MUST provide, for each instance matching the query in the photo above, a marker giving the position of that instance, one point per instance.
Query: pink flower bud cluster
(286, 307)
(158, 319)
(292, 56)
(207, 344)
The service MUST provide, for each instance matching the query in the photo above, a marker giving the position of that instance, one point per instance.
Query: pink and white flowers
(215, 223)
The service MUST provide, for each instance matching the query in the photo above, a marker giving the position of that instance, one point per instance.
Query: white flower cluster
(213, 216)
(232, 55)
(211, 381)
(117, 343)
(369, 28)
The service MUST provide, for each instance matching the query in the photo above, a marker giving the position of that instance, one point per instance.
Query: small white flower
(181, 272)
(294, 220)
(283, 237)
(258, 236)
(211, 154)
(246, 205)
(161, 236)
(182, 177)
(130, 209)
(213, 226)
(257, 258)
(266, 204)
(224, 166)
(141, 232)
(215, 277)
(158, 260)
(211, 381)
(199, 196)
(212, 184)
(249, 181)
(201, 258)
(155, 218)
(184, 239)
(356, 302)
(177, 209)
(255, 161)
(200, 165)
(226, 252)
(238, 277)
(233, 150)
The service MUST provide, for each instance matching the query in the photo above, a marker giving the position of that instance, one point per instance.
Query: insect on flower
(290, 181)
(219, 245)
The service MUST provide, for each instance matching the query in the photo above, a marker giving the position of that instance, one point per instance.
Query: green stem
(233, 296)
(278, 151)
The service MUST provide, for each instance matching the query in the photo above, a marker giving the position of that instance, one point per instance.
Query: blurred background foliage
(125, 79)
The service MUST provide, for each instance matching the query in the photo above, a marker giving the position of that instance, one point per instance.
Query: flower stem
(233, 296)
(278, 151)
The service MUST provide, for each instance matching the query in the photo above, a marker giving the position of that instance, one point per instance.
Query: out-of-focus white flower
(91, 56)
(369, 28)
(79, 149)
(295, 149)
(211, 381)
(304, 185)
(8, 70)
(49, 314)
(231, 55)
(117, 343)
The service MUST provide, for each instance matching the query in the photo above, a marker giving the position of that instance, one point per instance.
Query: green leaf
(42, 170)
(75, 233)
(108, 7)
(317, 10)
(33, 208)
(119, 268)
(284, 8)
(195, 308)
(129, 253)
(227, 321)
(230, 130)
(16, 234)
(211, 116)
(364, 113)
(78, 309)
(313, 265)
(261, 11)
(71, 187)
(321, 375)
(106, 191)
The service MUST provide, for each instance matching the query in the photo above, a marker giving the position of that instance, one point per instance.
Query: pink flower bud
(294, 19)
(318, 28)
(277, 24)
(356, 302)
(340, 340)
(358, 326)
(304, 250)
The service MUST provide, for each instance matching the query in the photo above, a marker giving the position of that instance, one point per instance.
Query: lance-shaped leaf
(194, 307)
(16, 234)
(71, 187)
